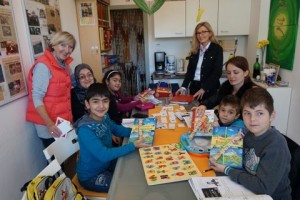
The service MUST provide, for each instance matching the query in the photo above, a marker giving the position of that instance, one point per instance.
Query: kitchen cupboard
(210, 14)
(169, 20)
(89, 32)
(234, 17)
(227, 17)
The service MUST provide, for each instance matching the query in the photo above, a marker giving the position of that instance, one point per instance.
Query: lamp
(149, 9)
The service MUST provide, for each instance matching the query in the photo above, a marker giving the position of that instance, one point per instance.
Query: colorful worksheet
(167, 163)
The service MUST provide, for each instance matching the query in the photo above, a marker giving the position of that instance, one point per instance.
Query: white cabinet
(210, 14)
(121, 2)
(169, 20)
(178, 18)
(282, 99)
(234, 17)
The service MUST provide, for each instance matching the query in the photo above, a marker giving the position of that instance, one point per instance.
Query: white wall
(20, 149)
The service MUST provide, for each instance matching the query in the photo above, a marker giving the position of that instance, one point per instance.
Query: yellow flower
(262, 43)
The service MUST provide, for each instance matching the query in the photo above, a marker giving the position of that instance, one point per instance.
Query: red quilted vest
(57, 98)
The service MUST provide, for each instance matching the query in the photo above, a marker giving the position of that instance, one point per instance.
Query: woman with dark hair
(49, 87)
(84, 77)
(238, 75)
(119, 105)
(205, 64)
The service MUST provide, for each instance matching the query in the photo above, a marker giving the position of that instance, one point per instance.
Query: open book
(221, 188)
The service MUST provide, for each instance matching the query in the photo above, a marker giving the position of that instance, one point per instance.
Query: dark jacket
(226, 89)
(211, 70)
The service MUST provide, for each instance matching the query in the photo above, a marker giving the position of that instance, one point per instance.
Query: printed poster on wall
(43, 17)
(12, 81)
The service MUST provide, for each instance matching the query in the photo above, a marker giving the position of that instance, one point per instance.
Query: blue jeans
(100, 182)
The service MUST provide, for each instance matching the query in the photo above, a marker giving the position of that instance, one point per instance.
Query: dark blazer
(211, 69)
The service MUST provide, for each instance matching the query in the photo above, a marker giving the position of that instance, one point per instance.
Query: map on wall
(43, 17)
(12, 81)
(283, 28)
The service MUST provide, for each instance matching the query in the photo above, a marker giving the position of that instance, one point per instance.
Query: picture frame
(276, 67)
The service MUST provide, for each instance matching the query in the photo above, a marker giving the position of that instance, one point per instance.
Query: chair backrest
(62, 148)
(50, 170)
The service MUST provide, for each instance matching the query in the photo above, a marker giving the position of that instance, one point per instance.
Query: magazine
(222, 188)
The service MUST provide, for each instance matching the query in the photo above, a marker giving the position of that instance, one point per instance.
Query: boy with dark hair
(266, 155)
(97, 156)
(229, 112)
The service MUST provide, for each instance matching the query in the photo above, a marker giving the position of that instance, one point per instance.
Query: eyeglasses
(202, 32)
(88, 76)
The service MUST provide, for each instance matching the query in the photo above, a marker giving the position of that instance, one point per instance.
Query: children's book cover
(227, 146)
(202, 125)
(167, 163)
(143, 127)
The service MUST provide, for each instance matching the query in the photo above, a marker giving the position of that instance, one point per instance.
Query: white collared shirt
(202, 50)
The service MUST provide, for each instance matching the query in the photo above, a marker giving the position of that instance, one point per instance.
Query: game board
(167, 163)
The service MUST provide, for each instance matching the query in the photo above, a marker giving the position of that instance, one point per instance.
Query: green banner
(283, 29)
(149, 10)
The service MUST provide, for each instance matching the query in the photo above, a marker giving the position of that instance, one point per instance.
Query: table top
(129, 180)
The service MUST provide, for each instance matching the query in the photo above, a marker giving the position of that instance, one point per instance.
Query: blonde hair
(63, 37)
(195, 42)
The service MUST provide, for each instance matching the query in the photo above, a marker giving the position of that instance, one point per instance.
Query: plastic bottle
(256, 69)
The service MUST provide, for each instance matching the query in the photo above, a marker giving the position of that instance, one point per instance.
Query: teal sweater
(95, 142)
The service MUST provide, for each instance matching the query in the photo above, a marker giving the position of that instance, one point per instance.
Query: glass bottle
(256, 68)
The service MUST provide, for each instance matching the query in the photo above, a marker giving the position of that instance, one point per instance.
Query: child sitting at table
(97, 157)
(119, 104)
(229, 112)
(266, 157)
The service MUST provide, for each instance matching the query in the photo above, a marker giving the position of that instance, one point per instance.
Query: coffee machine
(159, 59)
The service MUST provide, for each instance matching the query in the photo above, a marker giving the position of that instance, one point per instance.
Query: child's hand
(138, 97)
(216, 166)
(200, 109)
(140, 143)
(143, 100)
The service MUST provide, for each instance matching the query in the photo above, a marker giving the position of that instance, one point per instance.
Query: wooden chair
(51, 169)
(61, 150)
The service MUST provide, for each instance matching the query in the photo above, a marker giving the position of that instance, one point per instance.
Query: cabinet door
(121, 2)
(210, 14)
(169, 20)
(234, 17)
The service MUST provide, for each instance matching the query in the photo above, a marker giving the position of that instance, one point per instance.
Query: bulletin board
(12, 79)
(43, 18)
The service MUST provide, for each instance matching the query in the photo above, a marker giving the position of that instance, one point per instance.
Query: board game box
(202, 125)
(167, 163)
(227, 146)
(145, 127)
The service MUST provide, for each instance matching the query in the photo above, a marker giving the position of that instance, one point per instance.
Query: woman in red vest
(49, 87)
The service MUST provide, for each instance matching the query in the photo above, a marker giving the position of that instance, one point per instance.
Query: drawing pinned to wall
(283, 28)
(12, 81)
(43, 18)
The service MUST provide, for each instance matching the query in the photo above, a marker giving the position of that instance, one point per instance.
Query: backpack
(38, 186)
(63, 189)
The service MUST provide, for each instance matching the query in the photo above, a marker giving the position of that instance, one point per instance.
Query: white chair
(51, 169)
(62, 149)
